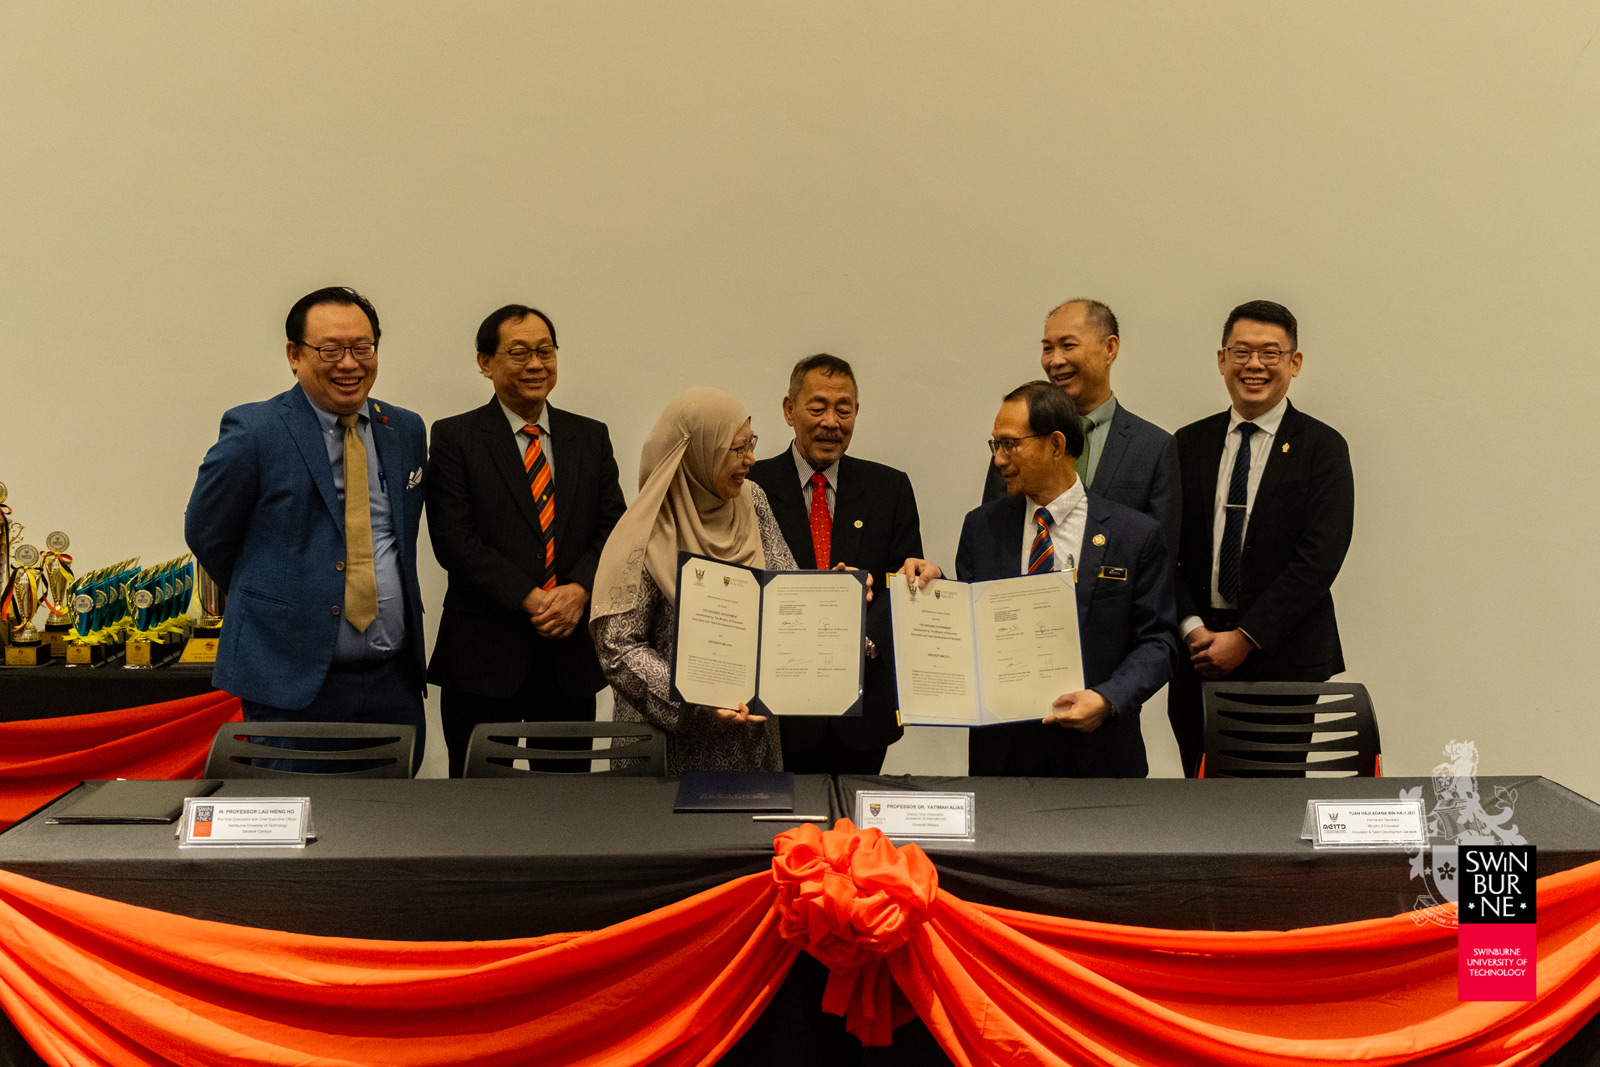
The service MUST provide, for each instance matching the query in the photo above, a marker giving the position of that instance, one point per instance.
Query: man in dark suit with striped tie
(521, 499)
(1268, 510)
(1046, 522)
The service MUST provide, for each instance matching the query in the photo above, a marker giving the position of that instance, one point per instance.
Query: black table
(1220, 854)
(57, 690)
(499, 858)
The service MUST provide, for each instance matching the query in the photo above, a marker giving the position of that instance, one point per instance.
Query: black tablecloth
(56, 690)
(1219, 854)
(499, 858)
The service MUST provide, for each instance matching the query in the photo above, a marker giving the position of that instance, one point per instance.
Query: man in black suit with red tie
(835, 509)
(1268, 508)
(521, 499)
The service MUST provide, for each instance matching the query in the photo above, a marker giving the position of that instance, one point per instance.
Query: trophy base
(202, 647)
(143, 655)
(28, 655)
(55, 635)
(93, 655)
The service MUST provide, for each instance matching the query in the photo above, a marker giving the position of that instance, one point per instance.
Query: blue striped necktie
(1042, 555)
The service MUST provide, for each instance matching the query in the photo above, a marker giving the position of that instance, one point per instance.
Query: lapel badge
(1286, 446)
(1099, 539)
(858, 524)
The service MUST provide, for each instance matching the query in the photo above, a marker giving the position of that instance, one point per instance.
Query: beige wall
(704, 192)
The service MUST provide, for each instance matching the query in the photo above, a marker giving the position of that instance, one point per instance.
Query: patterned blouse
(635, 650)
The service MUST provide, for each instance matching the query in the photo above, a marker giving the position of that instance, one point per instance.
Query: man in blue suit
(1126, 459)
(324, 616)
(1126, 616)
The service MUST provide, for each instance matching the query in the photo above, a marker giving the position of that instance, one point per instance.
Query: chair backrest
(645, 755)
(346, 749)
(1251, 726)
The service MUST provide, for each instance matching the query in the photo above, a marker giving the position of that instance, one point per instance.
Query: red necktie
(544, 498)
(821, 522)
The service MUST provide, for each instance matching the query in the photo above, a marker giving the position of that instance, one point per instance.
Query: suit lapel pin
(1099, 540)
(1286, 446)
(858, 524)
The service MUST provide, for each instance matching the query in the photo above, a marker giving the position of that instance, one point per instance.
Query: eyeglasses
(521, 354)
(748, 448)
(1009, 445)
(1269, 357)
(362, 351)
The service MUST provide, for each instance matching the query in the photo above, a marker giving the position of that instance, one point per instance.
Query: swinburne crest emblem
(1458, 816)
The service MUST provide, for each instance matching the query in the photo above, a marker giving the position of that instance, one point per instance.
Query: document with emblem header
(780, 642)
(975, 653)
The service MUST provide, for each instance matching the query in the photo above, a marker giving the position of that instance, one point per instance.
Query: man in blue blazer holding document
(324, 615)
(1126, 617)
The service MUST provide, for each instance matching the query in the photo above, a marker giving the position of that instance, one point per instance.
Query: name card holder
(1370, 824)
(245, 822)
(911, 816)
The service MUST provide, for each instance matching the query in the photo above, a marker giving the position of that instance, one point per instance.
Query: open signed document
(970, 654)
(781, 642)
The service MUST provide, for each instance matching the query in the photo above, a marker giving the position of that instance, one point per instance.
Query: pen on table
(788, 818)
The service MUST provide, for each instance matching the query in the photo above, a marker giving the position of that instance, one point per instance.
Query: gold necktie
(360, 579)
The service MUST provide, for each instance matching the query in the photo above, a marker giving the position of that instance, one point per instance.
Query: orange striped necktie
(544, 498)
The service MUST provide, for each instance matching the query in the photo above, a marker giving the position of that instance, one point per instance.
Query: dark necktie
(544, 498)
(821, 522)
(1233, 520)
(1042, 555)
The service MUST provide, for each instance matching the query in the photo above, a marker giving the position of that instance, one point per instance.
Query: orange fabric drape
(996, 986)
(89, 981)
(42, 758)
(92, 982)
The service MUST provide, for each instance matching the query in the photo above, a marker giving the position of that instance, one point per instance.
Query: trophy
(58, 584)
(202, 646)
(8, 530)
(27, 649)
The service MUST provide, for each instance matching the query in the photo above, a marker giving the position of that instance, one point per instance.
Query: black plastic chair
(376, 750)
(1285, 729)
(646, 755)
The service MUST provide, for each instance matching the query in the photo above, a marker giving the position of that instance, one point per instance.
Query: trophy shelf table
(56, 690)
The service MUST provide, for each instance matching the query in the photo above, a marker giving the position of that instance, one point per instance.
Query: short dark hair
(1100, 319)
(294, 327)
(828, 365)
(1264, 311)
(1051, 410)
(489, 333)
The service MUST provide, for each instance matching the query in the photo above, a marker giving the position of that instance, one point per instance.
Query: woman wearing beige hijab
(693, 497)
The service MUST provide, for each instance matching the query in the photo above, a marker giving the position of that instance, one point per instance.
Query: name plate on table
(245, 822)
(923, 816)
(1364, 824)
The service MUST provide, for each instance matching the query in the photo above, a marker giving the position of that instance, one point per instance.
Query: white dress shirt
(804, 470)
(1069, 514)
(524, 440)
(1260, 448)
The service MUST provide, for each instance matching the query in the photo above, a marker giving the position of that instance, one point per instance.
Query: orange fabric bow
(850, 898)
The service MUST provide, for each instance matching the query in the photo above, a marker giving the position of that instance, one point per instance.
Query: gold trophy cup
(27, 648)
(58, 579)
